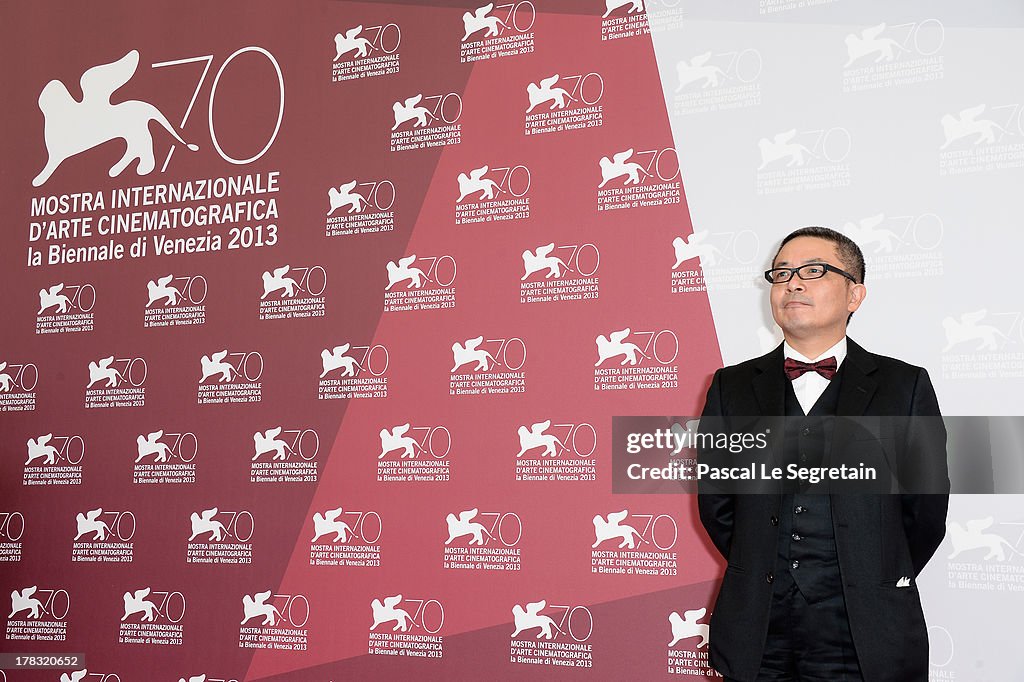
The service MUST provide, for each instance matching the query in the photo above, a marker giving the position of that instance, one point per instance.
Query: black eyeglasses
(808, 271)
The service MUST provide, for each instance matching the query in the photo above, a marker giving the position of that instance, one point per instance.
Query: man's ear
(856, 295)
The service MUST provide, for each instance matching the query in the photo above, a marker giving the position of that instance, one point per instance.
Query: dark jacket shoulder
(897, 380)
(867, 361)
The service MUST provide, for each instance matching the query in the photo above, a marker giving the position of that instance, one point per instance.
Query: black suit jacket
(879, 538)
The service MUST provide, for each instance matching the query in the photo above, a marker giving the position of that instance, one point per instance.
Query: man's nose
(795, 283)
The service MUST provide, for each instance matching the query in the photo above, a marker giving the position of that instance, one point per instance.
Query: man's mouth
(795, 304)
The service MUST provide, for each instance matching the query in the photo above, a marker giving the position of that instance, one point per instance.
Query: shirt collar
(838, 350)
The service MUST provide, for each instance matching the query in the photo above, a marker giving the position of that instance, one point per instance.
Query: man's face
(806, 308)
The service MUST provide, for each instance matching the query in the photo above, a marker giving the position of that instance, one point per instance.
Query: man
(823, 587)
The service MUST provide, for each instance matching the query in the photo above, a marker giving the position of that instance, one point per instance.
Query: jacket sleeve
(716, 509)
(924, 472)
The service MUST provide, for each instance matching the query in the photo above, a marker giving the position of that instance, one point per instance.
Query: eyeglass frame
(796, 271)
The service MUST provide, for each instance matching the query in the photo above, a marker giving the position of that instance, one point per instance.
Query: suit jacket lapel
(857, 386)
(855, 392)
(769, 384)
(769, 388)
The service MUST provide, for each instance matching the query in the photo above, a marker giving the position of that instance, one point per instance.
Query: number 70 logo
(207, 60)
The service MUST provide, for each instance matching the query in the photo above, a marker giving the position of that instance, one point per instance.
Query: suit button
(799, 509)
(803, 458)
(774, 520)
(769, 578)
(797, 536)
(795, 564)
(806, 431)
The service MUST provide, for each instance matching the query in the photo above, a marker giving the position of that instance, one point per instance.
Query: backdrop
(317, 315)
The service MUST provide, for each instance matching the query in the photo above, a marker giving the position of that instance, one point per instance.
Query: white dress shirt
(810, 385)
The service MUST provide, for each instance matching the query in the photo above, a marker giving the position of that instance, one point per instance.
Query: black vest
(807, 545)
